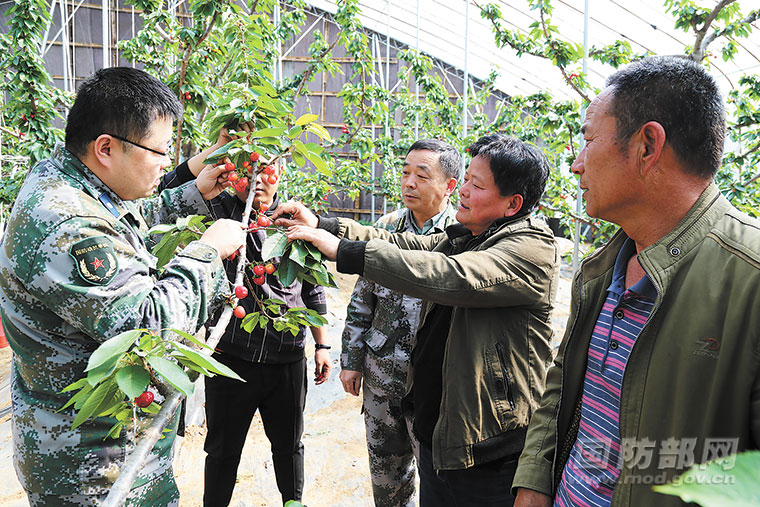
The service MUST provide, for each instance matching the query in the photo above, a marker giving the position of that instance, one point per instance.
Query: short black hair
(121, 101)
(517, 167)
(680, 95)
(448, 156)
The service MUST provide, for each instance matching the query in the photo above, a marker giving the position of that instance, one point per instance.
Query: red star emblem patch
(97, 263)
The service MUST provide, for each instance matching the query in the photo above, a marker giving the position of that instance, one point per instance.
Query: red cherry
(253, 227)
(260, 280)
(259, 270)
(144, 400)
(233, 177)
(241, 292)
(263, 207)
(187, 95)
(269, 169)
(344, 129)
(241, 185)
(272, 179)
(247, 165)
(264, 221)
(254, 156)
(239, 312)
(229, 166)
(269, 268)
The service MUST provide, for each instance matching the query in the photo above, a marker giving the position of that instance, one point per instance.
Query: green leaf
(172, 373)
(274, 245)
(315, 319)
(320, 164)
(132, 380)
(104, 370)
(80, 396)
(214, 157)
(298, 159)
(306, 118)
(190, 338)
(161, 228)
(74, 386)
(115, 431)
(250, 321)
(314, 251)
(719, 482)
(164, 250)
(319, 130)
(192, 366)
(100, 395)
(114, 347)
(298, 254)
(207, 362)
(314, 147)
(153, 408)
(287, 272)
(270, 132)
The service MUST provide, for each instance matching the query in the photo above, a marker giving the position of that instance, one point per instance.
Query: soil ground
(336, 463)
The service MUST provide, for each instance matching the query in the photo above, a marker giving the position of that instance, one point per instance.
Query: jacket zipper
(507, 382)
(579, 287)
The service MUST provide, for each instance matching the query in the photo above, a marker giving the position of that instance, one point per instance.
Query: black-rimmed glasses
(139, 145)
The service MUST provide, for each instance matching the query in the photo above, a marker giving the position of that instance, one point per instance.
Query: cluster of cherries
(241, 292)
(240, 181)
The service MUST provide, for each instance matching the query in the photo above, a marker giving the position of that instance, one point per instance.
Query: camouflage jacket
(75, 270)
(381, 324)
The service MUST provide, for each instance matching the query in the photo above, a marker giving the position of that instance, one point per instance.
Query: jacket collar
(458, 230)
(70, 165)
(668, 250)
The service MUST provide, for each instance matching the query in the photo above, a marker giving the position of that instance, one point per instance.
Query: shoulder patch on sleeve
(95, 259)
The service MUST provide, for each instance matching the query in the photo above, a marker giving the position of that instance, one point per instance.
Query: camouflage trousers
(160, 492)
(392, 450)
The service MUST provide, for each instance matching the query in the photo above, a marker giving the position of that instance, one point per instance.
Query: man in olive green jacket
(690, 390)
(484, 345)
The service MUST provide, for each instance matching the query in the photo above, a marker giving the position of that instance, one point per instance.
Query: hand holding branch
(299, 215)
(320, 238)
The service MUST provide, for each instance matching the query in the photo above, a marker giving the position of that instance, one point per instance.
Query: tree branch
(182, 74)
(702, 40)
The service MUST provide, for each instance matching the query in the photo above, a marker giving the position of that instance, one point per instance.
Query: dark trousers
(278, 391)
(483, 485)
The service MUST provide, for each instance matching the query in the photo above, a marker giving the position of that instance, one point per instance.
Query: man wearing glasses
(76, 269)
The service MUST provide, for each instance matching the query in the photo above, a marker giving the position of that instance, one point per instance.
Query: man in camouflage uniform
(381, 325)
(75, 270)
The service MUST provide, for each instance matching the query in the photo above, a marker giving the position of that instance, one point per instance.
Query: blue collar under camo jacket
(381, 324)
(75, 270)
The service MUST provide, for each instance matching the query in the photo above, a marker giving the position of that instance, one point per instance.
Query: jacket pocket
(375, 340)
(505, 373)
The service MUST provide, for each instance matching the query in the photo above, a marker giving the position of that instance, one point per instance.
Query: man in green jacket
(659, 365)
(488, 284)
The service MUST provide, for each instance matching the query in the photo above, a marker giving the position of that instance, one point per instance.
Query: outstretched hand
(299, 215)
(320, 238)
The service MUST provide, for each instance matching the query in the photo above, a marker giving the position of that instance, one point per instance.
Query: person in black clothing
(272, 363)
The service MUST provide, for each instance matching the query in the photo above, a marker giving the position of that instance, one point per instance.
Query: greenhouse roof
(644, 23)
